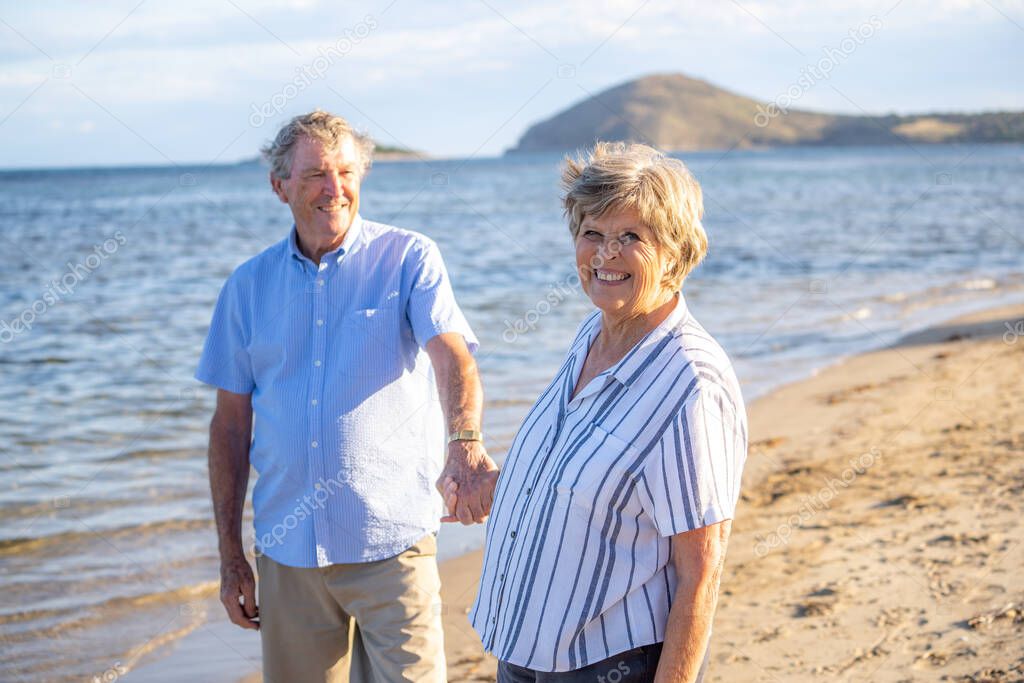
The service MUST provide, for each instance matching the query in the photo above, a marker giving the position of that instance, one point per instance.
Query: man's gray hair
(319, 126)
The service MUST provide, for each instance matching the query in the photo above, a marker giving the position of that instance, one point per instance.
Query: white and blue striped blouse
(577, 562)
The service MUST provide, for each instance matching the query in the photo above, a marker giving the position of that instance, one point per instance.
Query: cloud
(154, 65)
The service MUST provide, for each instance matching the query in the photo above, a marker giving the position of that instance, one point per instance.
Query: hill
(676, 112)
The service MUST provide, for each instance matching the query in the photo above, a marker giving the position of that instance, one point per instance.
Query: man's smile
(332, 208)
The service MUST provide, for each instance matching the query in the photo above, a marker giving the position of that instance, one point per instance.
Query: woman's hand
(449, 492)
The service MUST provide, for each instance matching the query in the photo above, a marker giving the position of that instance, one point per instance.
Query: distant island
(380, 153)
(676, 112)
(389, 153)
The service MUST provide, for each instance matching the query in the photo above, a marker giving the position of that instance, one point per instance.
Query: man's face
(323, 189)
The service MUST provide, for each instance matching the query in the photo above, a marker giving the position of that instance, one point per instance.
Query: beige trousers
(372, 621)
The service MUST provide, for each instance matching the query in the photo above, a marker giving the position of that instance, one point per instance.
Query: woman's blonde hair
(615, 176)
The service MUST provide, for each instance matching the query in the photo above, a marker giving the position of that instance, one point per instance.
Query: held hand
(237, 581)
(467, 482)
(449, 492)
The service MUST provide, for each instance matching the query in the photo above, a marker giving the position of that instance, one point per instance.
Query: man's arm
(467, 465)
(699, 557)
(230, 438)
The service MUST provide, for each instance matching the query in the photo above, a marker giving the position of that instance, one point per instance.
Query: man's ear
(278, 187)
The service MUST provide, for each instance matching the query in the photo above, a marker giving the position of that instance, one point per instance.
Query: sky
(160, 81)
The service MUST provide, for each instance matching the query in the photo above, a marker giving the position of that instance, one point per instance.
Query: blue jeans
(633, 666)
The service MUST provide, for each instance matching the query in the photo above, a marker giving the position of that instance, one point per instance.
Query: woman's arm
(698, 557)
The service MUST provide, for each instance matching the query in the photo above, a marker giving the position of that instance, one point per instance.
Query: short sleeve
(692, 476)
(225, 361)
(432, 309)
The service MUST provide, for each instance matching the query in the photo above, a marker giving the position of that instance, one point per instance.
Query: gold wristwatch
(466, 435)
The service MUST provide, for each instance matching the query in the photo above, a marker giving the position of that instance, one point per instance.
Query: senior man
(335, 353)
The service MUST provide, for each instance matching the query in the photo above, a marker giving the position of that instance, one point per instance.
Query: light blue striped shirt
(577, 566)
(348, 434)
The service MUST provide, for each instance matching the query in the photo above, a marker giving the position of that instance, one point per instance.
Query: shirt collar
(352, 238)
(629, 368)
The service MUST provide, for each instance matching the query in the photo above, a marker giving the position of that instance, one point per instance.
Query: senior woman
(608, 531)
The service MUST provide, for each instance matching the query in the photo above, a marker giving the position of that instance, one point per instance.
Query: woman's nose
(610, 249)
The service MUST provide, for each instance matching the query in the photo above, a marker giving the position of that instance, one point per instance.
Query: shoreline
(800, 434)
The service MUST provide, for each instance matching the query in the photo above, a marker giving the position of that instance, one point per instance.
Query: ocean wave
(26, 544)
(190, 598)
(979, 283)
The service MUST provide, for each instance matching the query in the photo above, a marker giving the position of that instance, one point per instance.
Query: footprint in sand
(819, 603)
(914, 502)
(1011, 613)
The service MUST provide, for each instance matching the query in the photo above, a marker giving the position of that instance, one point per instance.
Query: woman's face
(620, 264)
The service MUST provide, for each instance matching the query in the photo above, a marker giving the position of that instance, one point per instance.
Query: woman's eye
(592, 235)
(629, 238)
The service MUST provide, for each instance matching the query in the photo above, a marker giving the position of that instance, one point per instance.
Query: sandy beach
(879, 535)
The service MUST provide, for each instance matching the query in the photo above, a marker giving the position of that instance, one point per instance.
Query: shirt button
(320, 282)
(528, 491)
(316, 363)
(501, 578)
(319, 322)
(314, 444)
(513, 534)
(494, 620)
(314, 401)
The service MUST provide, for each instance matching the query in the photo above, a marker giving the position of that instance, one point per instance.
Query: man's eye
(316, 174)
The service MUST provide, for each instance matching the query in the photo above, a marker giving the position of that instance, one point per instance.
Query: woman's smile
(610, 278)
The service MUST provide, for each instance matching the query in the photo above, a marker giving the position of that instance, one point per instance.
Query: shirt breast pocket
(371, 342)
(599, 473)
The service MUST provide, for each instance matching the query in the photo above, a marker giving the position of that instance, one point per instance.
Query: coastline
(901, 570)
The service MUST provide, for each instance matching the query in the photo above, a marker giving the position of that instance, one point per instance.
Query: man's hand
(230, 437)
(237, 581)
(467, 469)
(467, 482)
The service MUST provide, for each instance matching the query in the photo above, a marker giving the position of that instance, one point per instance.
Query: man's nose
(333, 184)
